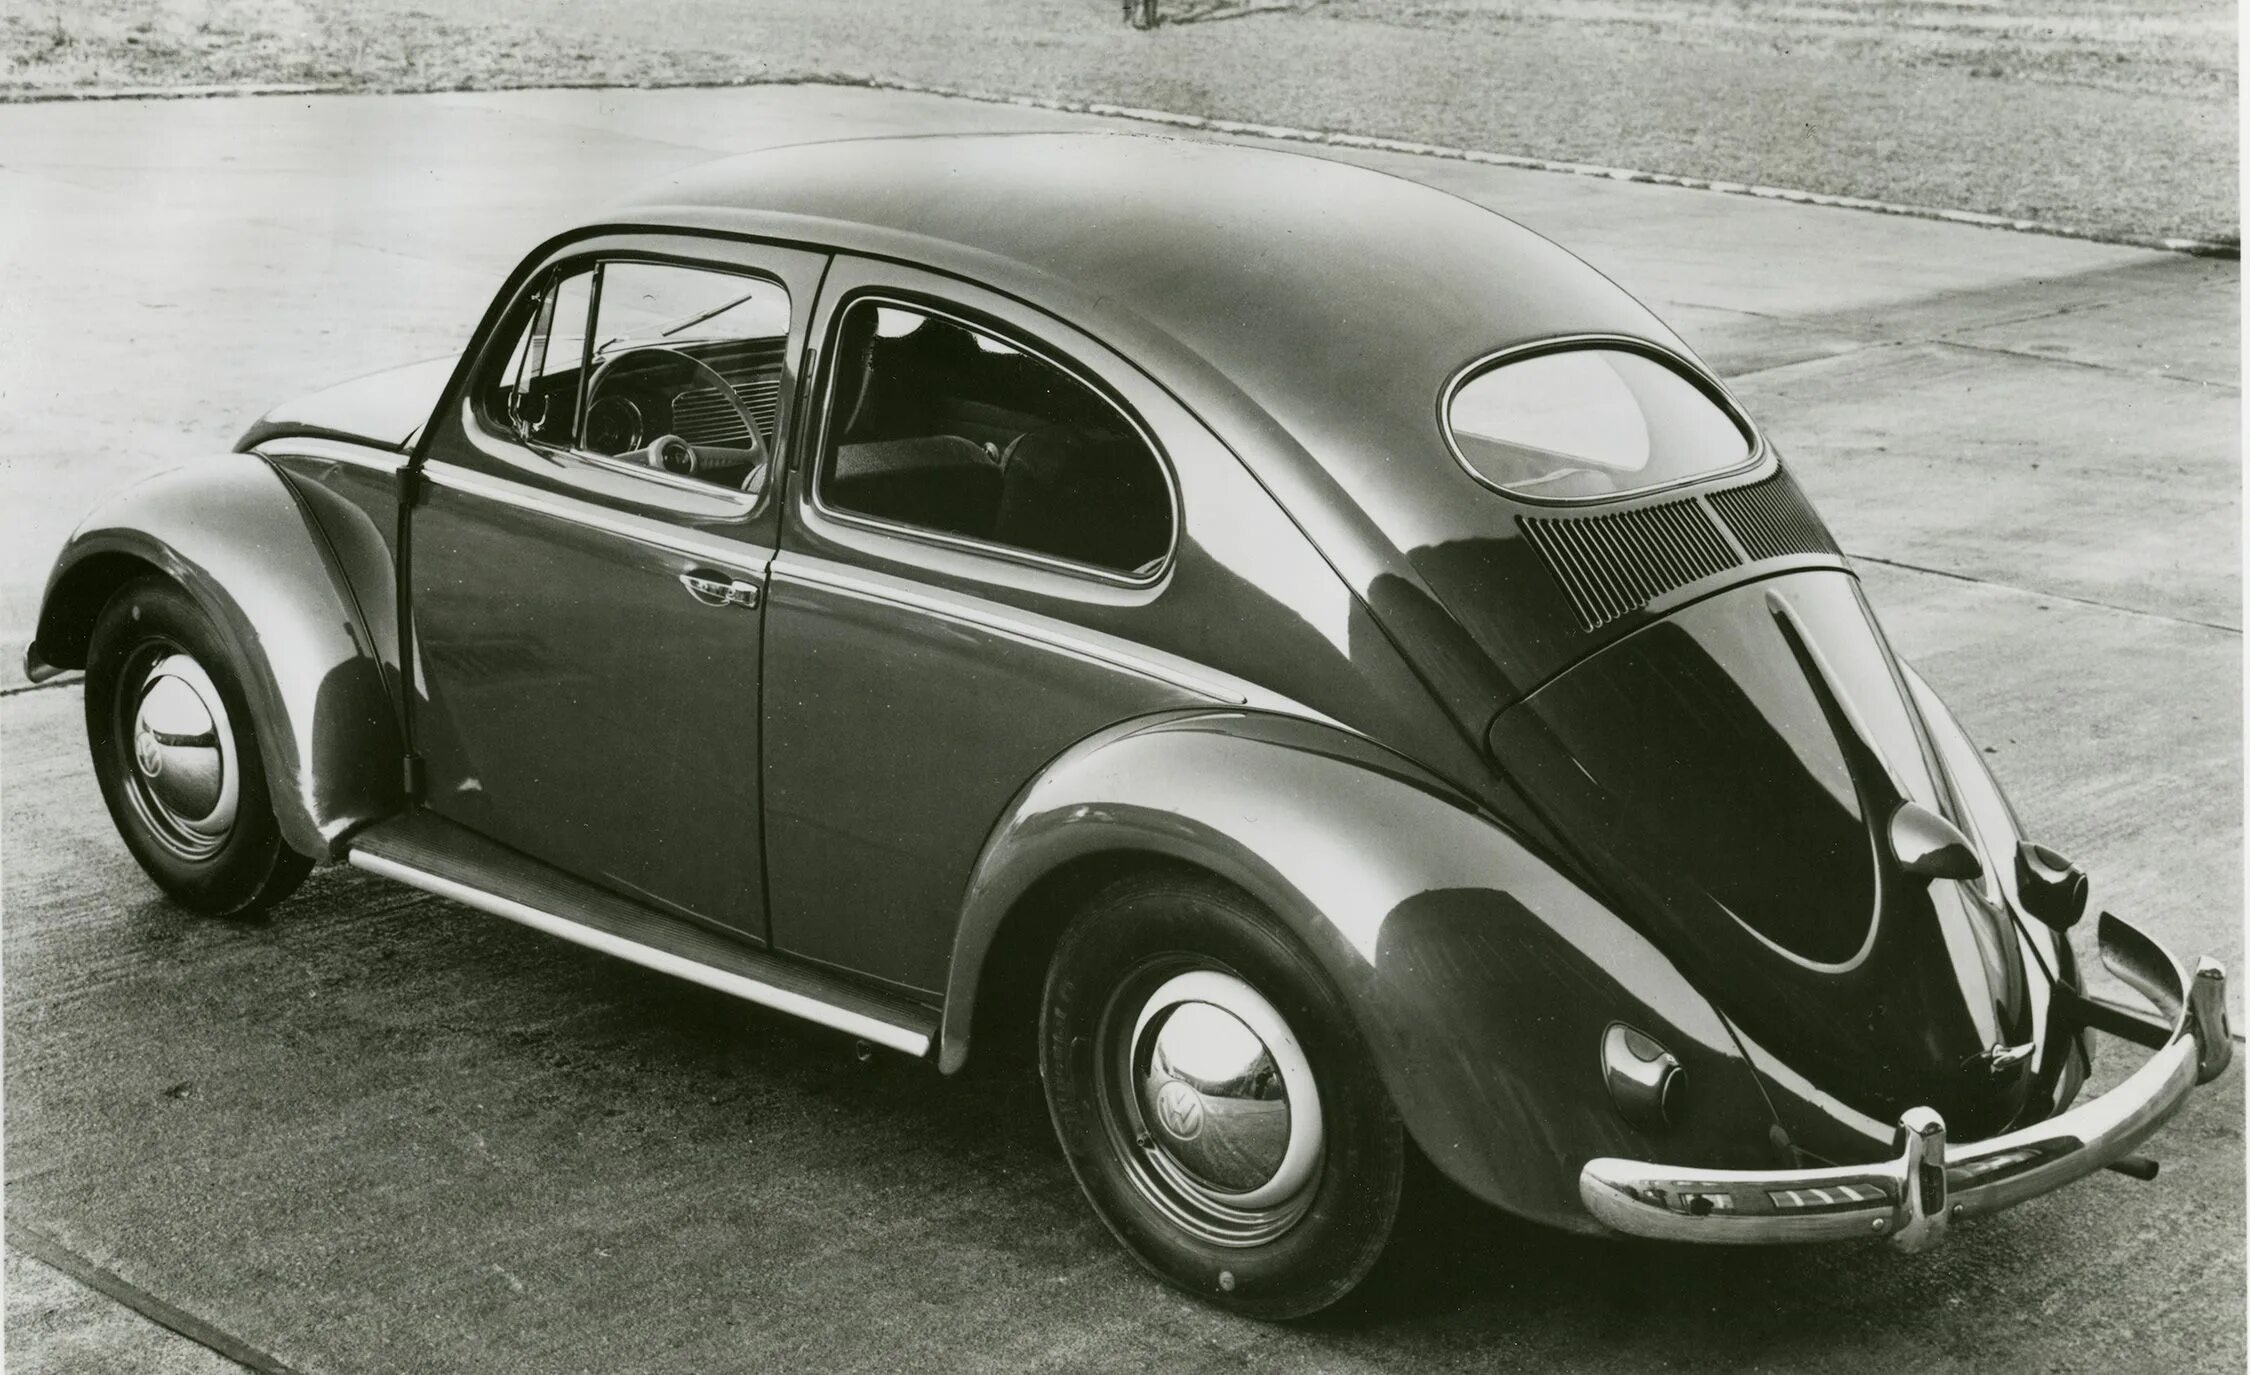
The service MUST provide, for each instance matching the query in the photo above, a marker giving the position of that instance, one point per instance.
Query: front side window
(1589, 422)
(655, 365)
(947, 428)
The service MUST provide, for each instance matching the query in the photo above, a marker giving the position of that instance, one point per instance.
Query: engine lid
(1732, 773)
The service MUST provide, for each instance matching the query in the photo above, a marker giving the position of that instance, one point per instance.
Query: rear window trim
(1624, 343)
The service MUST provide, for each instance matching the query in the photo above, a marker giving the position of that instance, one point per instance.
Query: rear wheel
(1214, 1098)
(173, 751)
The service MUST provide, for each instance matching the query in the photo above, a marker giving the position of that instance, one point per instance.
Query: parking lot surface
(380, 1132)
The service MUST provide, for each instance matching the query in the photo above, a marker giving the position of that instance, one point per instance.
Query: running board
(439, 857)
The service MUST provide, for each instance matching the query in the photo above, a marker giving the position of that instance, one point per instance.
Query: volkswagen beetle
(1327, 659)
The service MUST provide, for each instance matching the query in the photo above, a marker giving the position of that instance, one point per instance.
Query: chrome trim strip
(1701, 377)
(744, 557)
(377, 457)
(797, 568)
(969, 544)
(750, 990)
(692, 486)
(1762, 1207)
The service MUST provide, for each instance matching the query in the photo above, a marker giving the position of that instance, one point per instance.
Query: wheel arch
(1480, 974)
(74, 601)
(231, 534)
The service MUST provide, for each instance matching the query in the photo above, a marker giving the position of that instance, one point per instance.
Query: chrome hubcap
(185, 781)
(1219, 1108)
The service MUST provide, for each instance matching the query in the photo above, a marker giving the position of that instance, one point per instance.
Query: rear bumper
(1912, 1197)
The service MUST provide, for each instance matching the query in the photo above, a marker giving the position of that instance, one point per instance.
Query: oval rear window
(1589, 422)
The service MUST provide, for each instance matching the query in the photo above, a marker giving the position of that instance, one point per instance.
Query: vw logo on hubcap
(147, 752)
(1179, 1109)
(185, 781)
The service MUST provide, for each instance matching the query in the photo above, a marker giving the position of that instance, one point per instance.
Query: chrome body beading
(1912, 1198)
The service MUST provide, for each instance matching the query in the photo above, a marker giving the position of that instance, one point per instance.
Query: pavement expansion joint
(2154, 374)
(48, 1251)
(2018, 588)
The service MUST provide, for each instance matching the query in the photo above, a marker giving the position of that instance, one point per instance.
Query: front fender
(1482, 976)
(231, 532)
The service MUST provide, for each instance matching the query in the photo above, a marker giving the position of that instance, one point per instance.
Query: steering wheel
(671, 454)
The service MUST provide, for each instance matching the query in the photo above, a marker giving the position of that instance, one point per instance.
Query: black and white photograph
(1121, 685)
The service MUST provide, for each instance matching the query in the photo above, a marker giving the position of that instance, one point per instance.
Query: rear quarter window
(1577, 424)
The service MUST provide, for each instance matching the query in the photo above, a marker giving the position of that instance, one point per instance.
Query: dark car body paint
(946, 716)
(1290, 325)
(1319, 350)
(578, 705)
(1693, 761)
(1481, 974)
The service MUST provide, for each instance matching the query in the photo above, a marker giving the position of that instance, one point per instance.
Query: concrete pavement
(411, 1138)
(382, 1133)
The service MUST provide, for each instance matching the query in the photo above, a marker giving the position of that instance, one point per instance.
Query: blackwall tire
(177, 758)
(1214, 1099)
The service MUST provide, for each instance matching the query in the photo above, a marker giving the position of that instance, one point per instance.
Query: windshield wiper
(719, 310)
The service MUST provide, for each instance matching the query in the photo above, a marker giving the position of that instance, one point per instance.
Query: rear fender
(1482, 977)
(232, 533)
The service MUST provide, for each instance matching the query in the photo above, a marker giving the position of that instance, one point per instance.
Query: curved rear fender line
(1481, 977)
(232, 533)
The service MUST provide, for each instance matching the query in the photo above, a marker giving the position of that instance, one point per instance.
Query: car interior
(685, 375)
(936, 425)
(944, 427)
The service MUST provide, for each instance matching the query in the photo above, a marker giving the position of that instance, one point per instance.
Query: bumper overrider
(1911, 1197)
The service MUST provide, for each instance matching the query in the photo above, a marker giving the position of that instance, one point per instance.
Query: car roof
(1311, 311)
(1209, 239)
(1298, 279)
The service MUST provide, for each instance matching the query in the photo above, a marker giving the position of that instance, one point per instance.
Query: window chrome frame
(818, 457)
(1716, 392)
(502, 428)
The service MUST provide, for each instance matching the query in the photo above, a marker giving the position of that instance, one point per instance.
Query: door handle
(716, 589)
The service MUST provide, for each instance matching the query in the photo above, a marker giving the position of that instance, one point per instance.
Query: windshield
(1589, 422)
(650, 303)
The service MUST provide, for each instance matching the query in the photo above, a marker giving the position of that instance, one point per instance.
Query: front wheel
(174, 754)
(1214, 1098)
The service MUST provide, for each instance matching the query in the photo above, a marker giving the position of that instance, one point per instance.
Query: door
(973, 575)
(587, 563)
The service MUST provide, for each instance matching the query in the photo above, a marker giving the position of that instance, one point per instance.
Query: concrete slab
(2172, 319)
(60, 1327)
(1673, 246)
(2053, 476)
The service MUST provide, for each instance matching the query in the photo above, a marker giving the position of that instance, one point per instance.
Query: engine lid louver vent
(1616, 563)
(1771, 519)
